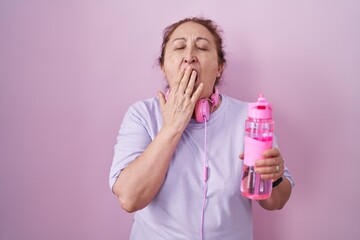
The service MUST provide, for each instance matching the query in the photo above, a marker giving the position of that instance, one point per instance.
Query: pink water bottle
(259, 131)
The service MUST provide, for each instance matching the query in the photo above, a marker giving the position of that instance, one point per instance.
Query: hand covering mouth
(197, 73)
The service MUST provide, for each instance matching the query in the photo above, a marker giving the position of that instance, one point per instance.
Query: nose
(190, 56)
(190, 60)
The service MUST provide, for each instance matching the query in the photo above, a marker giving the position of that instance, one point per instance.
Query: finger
(162, 99)
(178, 80)
(273, 152)
(271, 176)
(268, 162)
(185, 80)
(191, 84)
(241, 156)
(270, 172)
(269, 169)
(196, 95)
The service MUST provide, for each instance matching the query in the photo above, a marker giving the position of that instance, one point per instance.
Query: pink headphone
(202, 108)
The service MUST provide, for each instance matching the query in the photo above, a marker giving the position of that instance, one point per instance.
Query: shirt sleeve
(131, 141)
(286, 170)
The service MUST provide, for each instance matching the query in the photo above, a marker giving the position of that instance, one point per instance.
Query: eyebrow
(197, 39)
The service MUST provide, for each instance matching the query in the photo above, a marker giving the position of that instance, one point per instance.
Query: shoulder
(144, 112)
(230, 110)
(234, 100)
(145, 106)
(233, 103)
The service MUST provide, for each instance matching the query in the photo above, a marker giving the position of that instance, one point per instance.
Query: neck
(213, 109)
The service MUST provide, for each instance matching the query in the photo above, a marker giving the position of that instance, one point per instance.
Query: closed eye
(179, 48)
(202, 48)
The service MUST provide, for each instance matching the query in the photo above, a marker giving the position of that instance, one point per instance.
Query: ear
(220, 70)
(163, 70)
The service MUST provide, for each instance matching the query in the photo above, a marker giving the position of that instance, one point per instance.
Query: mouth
(197, 74)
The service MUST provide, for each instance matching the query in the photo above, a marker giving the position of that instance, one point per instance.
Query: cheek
(211, 63)
(169, 74)
(171, 67)
(212, 70)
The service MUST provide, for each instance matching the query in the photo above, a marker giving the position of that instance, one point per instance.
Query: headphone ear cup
(215, 97)
(202, 110)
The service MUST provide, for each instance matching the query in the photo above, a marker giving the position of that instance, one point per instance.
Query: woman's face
(191, 44)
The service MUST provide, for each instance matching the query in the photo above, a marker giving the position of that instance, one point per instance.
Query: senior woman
(176, 162)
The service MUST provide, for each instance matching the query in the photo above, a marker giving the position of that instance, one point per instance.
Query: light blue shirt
(175, 212)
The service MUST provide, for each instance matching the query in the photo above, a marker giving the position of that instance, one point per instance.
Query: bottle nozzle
(261, 98)
(261, 109)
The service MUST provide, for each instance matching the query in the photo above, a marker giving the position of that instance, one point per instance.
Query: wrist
(170, 134)
(277, 182)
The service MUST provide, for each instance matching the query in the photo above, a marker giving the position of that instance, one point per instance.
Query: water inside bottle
(260, 131)
(252, 186)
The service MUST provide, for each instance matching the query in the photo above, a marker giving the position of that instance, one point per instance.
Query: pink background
(70, 69)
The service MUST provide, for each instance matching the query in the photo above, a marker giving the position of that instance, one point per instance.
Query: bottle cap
(261, 109)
